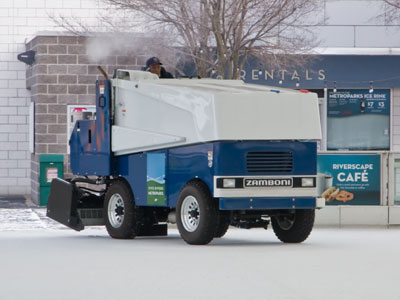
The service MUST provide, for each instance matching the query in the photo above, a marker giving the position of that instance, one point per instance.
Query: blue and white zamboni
(204, 154)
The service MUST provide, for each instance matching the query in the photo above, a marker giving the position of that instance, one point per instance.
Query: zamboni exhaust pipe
(102, 72)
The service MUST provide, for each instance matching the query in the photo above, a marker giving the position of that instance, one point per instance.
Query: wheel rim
(286, 222)
(190, 214)
(116, 210)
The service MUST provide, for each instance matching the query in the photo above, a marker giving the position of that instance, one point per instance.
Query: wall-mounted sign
(347, 103)
(348, 71)
(356, 178)
(283, 75)
(51, 173)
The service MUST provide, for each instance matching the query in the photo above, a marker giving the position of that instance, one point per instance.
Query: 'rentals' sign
(283, 75)
(327, 71)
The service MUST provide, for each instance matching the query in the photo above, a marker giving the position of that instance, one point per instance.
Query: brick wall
(64, 74)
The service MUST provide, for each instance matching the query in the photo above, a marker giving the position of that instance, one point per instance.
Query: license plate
(267, 182)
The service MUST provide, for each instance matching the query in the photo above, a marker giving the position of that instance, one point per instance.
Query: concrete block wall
(65, 74)
(14, 100)
(19, 21)
(347, 215)
(355, 24)
(396, 119)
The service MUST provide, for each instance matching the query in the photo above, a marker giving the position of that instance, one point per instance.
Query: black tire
(198, 226)
(294, 227)
(223, 224)
(120, 220)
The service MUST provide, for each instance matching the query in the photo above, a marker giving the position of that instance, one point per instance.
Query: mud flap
(62, 205)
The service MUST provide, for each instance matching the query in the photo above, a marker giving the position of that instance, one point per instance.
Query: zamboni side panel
(182, 164)
(187, 163)
(204, 161)
(90, 140)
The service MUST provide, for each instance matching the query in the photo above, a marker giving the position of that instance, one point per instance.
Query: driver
(154, 65)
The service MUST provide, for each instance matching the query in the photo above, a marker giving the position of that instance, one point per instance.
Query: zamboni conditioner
(204, 154)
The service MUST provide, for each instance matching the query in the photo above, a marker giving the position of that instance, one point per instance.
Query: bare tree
(391, 11)
(393, 3)
(218, 35)
(232, 29)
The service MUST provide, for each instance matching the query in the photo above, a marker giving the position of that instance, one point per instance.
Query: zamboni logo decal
(271, 182)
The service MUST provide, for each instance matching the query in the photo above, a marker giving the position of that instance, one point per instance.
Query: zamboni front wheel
(223, 224)
(197, 214)
(119, 211)
(293, 226)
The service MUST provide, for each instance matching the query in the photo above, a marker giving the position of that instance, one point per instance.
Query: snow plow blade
(62, 205)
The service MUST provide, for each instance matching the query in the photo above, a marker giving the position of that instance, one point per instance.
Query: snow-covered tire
(293, 227)
(119, 211)
(196, 214)
(223, 224)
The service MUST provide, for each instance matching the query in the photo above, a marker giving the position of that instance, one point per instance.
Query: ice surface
(41, 261)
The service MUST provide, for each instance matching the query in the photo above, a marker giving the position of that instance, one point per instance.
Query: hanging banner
(346, 103)
(355, 178)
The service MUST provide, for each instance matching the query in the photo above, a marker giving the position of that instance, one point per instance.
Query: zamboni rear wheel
(197, 214)
(295, 226)
(119, 211)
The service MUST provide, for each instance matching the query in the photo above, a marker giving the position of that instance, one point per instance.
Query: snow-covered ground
(40, 260)
(26, 219)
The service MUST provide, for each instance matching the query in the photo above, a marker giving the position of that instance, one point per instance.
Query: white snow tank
(150, 113)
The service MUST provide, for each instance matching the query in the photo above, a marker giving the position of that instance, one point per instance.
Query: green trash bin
(51, 166)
